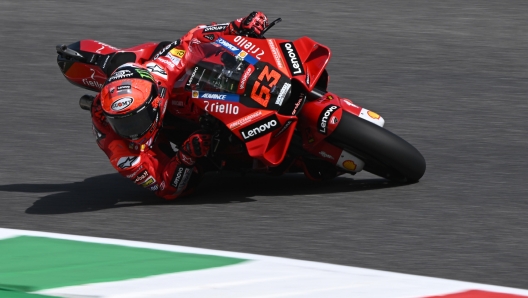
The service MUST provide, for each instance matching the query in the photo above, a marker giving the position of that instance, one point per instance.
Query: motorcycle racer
(131, 121)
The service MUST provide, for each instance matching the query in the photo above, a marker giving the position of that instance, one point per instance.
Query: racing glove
(197, 145)
(253, 25)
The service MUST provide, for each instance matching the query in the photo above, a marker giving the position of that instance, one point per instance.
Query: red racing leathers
(164, 163)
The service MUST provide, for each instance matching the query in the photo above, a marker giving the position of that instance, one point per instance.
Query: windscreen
(237, 76)
(209, 75)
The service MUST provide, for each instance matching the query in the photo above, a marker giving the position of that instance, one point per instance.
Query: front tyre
(384, 153)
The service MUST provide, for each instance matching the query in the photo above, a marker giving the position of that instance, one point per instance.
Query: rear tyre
(384, 153)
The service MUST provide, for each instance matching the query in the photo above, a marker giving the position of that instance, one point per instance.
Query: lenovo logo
(322, 123)
(292, 57)
(260, 128)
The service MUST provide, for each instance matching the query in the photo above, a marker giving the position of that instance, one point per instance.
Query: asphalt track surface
(450, 77)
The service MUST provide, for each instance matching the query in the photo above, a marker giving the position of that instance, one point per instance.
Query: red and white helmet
(130, 102)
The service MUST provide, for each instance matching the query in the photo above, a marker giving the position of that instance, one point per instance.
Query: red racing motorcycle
(266, 103)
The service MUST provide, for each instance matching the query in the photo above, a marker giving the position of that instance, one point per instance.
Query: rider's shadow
(95, 193)
(114, 191)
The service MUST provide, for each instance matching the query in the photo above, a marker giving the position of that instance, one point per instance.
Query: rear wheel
(384, 153)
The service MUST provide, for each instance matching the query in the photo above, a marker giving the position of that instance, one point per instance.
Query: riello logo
(260, 128)
(92, 83)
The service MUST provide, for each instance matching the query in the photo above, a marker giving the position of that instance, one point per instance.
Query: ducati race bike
(266, 103)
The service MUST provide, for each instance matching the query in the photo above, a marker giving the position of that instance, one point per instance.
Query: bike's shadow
(115, 191)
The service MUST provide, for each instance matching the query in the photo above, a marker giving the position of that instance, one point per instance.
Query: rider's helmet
(130, 103)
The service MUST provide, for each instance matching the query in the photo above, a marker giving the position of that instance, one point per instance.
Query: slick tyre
(384, 153)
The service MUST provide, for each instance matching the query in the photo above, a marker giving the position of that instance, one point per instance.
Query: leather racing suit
(158, 163)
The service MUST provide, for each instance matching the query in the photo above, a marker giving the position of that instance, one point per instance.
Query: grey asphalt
(450, 77)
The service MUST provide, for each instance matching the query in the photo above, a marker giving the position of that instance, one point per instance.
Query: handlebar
(269, 26)
(261, 36)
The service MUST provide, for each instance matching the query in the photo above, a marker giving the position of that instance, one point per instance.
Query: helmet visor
(135, 124)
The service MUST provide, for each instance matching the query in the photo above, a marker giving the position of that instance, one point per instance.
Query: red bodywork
(91, 75)
(301, 63)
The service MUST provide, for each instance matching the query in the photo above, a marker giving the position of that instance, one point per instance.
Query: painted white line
(263, 276)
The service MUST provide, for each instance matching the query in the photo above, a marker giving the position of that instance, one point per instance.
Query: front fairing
(236, 76)
(251, 97)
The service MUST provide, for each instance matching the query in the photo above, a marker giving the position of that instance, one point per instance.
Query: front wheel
(384, 153)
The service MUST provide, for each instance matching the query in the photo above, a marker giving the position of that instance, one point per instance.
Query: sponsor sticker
(322, 123)
(144, 74)
(214, 28)
(348, 102)
(326, 155)
(122, 88)
(166, 49)
(224, 43)
(177, 52)
(373, 115)
(245, 76)
(349, 165)
(248, 46)
(191, 78)
(247, 119)
(260, 128)
(292, 58)
(248, 58)
(128, 161)
(122, 103)
(242, 55)
(91, 82)
(185, 179)
(275, 53)
(216, 96)
(222, 108)
(179, 174)
(349, 162)
(141, 177)
(173, 58)
(120, 74)
(282, 94)
(148, 182)
(167, 62)
(157, 70)
(302, 97)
